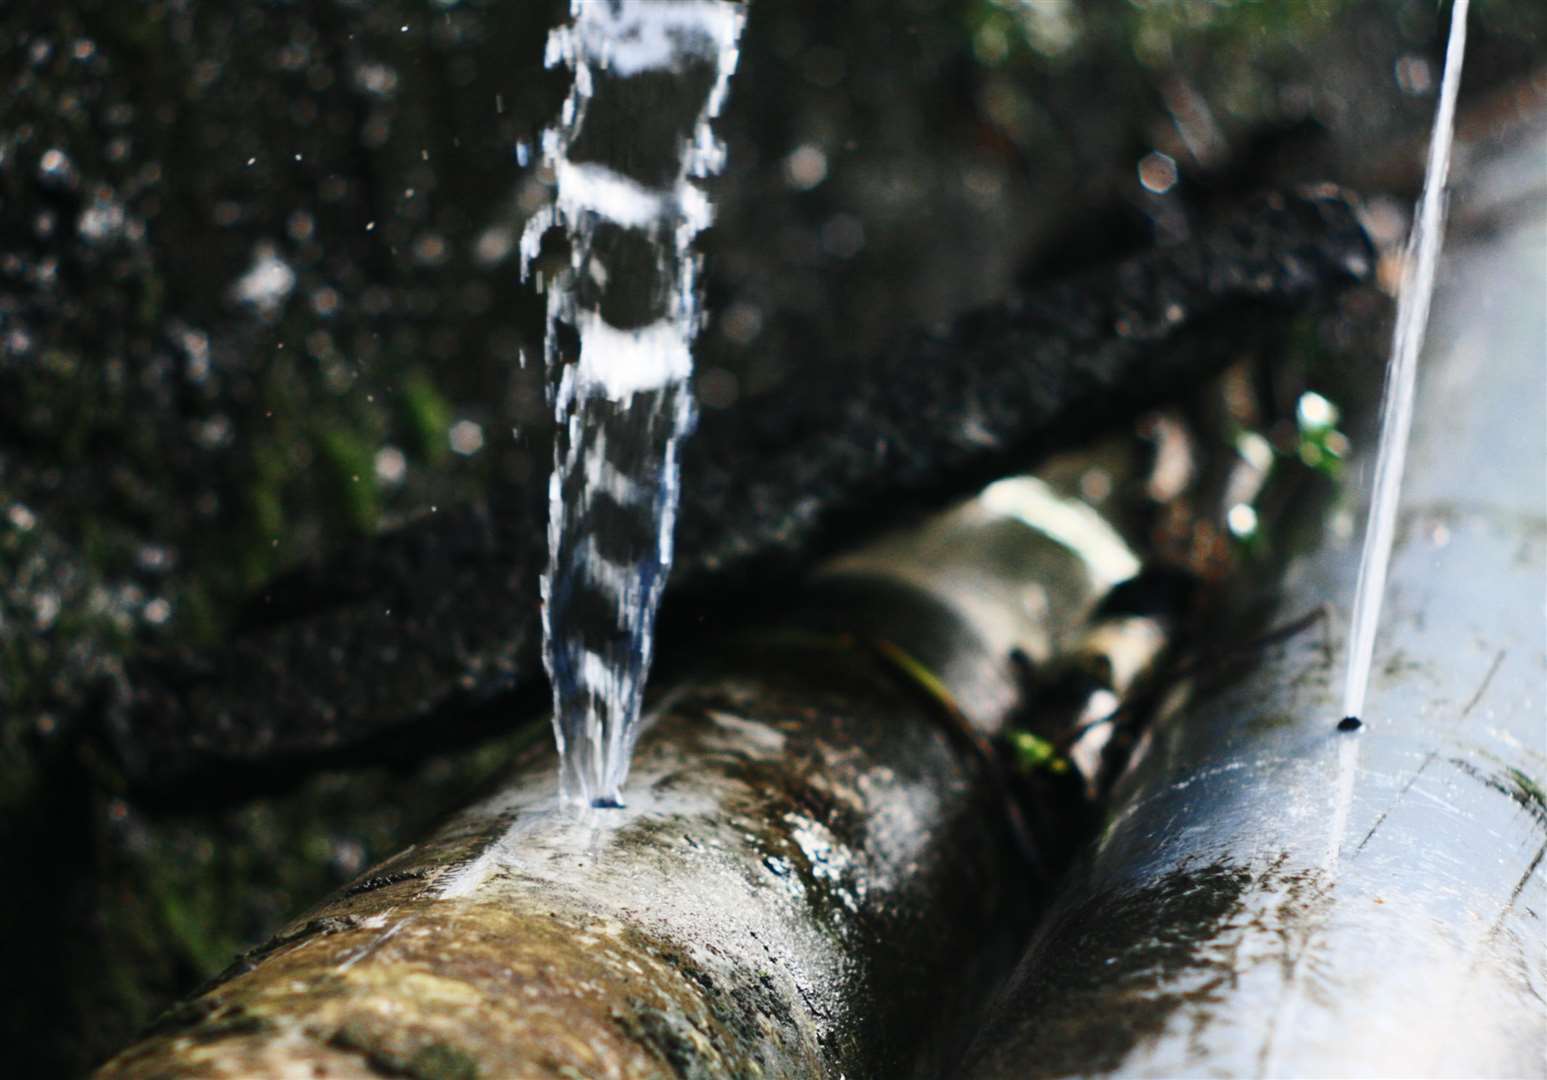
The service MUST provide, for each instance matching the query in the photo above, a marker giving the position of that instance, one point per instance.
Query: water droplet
(45, 609)
(390, 465)
(1242, 520)
(101, 220)
(1157, 172)
(430, 249)
(466, 437)
(267, 282)
(494, 245)
(1414, 75)
(20, 517)
(18, 342)
(805, 168)
(56, 170)
(377, 79)
(1315, 411)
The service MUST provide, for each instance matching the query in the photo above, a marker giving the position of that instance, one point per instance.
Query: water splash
(649, 76)
(1420, 262)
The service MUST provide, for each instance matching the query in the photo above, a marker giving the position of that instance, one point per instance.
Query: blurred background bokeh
(259, 298)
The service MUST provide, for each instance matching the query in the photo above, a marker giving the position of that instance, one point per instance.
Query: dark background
(167, 445)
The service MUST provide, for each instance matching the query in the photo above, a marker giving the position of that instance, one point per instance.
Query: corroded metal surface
(1273, 896)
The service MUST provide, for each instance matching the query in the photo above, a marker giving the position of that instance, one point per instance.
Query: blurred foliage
(256, 263)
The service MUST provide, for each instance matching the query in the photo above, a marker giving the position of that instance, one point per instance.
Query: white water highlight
(1420, 261)
(632, 136)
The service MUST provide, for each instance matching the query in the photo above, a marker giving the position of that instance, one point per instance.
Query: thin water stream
(1420, 261)
(648, 77)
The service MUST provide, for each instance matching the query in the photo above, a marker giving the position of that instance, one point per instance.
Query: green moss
(427, 416)
(1530, 790)
(1322, 446)
(199, 887)
(439, 1061)
(434, 1061)
(198, 621)
(1528, 793)
(359, 1038)
(1033, 753)
(349, 461)
(266, 512)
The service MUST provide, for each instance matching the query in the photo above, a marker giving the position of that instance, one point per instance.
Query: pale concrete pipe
(1273, 897)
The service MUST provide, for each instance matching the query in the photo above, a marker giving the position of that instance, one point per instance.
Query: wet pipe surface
(316, 668)
(770, 902)
(1375, 895)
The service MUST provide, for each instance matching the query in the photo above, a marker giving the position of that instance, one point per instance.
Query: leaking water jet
(1420, 263)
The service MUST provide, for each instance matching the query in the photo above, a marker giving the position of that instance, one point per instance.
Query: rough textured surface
(770, 903)
(442, 616)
